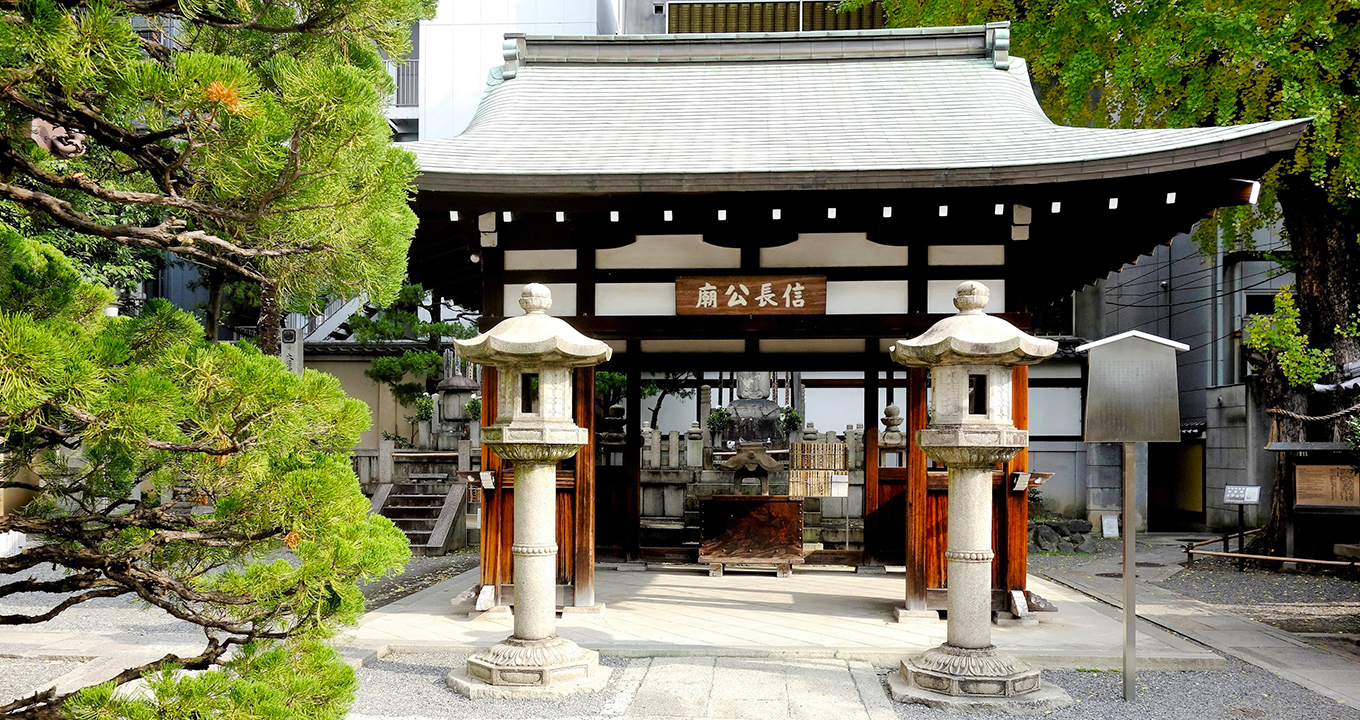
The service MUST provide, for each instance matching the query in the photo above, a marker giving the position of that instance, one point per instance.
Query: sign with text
(751, 295)
(1335, 485)
(1241, 494)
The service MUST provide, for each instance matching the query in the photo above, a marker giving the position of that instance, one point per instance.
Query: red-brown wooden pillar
(1013, 541)
(917, 517)
(583, 580)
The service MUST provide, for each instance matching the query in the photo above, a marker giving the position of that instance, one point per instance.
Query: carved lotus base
(966, 672)
(550, 662)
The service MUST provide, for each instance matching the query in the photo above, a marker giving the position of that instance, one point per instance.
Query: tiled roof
(857, 110)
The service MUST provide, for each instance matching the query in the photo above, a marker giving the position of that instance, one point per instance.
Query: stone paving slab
(813, 614)
(1262, 645)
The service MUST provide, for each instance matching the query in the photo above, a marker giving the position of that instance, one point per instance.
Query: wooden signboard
(1334, 485)
(751, 295)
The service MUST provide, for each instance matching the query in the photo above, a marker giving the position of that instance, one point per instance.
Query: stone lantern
(534, 355)
(970, 356)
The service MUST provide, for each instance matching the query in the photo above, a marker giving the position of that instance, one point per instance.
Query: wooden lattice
(817, 456)
(810, 483)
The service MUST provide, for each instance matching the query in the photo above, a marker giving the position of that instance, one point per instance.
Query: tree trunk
(1326, 255)
(271, 320)
(1323, 238)
(212, 316)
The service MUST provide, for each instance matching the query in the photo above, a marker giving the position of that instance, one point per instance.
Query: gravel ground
(408, 685)
(1239, 691)
(1296, 602)
(20, 677)
(421, 572)
(124, 619)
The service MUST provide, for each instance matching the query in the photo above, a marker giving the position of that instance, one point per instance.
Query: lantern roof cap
(457, 382)
(972, 337)
(534, 338)
(1181, 347)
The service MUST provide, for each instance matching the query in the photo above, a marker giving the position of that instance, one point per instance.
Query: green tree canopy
(1218, 62)
(202, 478)
(247, 136)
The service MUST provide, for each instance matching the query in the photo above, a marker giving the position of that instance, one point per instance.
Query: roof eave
(1273, 141)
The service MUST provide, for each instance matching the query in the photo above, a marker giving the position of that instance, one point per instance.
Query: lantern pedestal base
(527, 669)
(969, 680)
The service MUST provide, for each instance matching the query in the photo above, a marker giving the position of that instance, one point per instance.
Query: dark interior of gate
(758, 285)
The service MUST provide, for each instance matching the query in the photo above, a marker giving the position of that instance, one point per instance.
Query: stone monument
(755, 417)
(534, 355)
(970, 356)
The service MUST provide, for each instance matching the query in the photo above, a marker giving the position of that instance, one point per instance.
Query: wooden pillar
(491, 499)
(583, 494)
(632, 457)
(872, 541)
(1013, 544)
(917, 523)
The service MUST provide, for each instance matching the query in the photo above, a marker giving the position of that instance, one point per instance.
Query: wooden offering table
(749, 530)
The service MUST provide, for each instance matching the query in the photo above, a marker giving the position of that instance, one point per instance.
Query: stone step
(410, 525)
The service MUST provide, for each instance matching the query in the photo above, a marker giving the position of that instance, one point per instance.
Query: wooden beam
(1016, 541)
(584, 492)
(491, 504)
(872, 541)
(632, 461)
(916, 560)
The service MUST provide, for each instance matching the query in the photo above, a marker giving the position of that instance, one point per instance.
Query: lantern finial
(971, 297)
(535, 298)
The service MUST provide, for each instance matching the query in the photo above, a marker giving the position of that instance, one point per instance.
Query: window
(823, 16)
(977, 394)
(737, 17)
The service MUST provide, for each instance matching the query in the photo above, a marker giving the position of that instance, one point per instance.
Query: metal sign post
(1131, 397)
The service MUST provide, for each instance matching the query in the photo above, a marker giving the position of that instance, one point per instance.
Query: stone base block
(468, 687)
(1002, 618)
(632, 567)
(596, 610)
(904, 615)
(967, 672)
(553, 662)
(1047, 697)
(871, 570)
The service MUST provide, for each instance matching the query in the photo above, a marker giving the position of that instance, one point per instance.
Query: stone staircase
(429, 508)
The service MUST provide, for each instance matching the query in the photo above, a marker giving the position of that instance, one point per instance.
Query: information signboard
(1326, 485)
(1241, 494)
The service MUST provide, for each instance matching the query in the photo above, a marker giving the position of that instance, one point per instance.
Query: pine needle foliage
(246, 136)
(201, 478)
(413, 374)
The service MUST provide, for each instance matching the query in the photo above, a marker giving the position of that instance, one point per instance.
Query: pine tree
(247, 137)
(201, 478)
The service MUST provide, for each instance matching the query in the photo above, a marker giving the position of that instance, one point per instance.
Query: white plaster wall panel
(693, 346)
(966, 255)
(812, 345)
(613, 299)
(832, 250)
(1058, 369)
(618, 346)
(1055, 411)
(668, 251)
(940, 296)
(867, 297)
(563, 299)
(540, 259)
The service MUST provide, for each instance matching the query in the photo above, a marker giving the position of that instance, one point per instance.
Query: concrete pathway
(814, 614)
(1335, 676)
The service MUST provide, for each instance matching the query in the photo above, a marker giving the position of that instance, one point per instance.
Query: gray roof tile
(574, 122)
